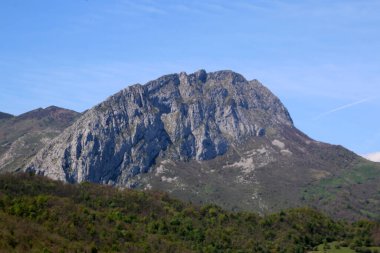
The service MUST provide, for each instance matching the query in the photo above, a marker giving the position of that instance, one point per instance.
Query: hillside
(211, 138)
(21, 137)
(41, 215)
(4, 115)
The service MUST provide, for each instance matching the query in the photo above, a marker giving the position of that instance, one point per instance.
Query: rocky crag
(209, 137)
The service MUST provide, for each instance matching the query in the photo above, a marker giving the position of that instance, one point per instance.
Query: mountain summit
(21, 137)
(196, 116)
(206, 137)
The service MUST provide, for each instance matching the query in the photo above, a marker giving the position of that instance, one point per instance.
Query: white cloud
(375, 157)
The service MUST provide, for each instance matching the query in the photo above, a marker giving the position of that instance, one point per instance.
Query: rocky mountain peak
(209, 138)
(51, 112)
(181, 116)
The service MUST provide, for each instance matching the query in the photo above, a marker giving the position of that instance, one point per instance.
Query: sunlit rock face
(210, 138)
(179, 116)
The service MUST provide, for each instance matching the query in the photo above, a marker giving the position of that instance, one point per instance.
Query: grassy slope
(335, 247)
(37, 214)
(354, 192)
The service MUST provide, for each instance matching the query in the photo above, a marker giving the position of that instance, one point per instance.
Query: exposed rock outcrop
(180, 116)
(210, 138)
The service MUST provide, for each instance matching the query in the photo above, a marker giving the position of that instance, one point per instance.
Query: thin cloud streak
(147, 7)
(343, 107)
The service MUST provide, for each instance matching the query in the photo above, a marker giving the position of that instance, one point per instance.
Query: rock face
(21, 137)
(179, 116)
(209, 137)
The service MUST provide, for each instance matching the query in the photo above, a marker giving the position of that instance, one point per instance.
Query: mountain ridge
(4, 115)
(22, 136)
(205, 147)
(210, 138)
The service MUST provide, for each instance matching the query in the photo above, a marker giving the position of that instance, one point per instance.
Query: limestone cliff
(181, 116)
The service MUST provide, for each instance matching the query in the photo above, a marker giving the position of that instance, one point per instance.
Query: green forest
(41, 215)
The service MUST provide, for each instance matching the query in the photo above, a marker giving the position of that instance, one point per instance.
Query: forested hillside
(41, 215)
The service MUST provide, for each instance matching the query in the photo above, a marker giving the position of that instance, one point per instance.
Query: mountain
(211, 138)
(4, 115)
(41, 215)
(21, 137)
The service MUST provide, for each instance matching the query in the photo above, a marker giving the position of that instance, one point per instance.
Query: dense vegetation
(336, 247)
(41, 215)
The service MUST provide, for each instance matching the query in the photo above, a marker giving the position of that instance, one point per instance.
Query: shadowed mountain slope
(21, 137)
(4, 115)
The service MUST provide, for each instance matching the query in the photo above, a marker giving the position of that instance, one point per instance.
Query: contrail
(342, 107)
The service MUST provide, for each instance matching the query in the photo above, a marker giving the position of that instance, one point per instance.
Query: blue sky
(322, 58)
